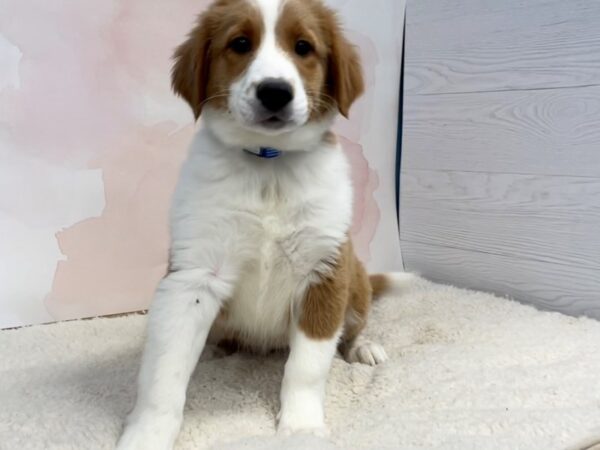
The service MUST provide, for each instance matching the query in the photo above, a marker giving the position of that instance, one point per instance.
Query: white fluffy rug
(467, 371)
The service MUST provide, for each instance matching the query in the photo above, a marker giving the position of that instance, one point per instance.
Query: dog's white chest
(270, 281)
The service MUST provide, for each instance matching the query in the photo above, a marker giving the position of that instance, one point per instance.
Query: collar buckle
(265, 152)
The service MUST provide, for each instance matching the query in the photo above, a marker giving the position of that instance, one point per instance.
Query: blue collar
(265, 152)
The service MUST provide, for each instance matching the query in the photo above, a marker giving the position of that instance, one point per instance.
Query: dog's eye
(303, 48)
(241, 45)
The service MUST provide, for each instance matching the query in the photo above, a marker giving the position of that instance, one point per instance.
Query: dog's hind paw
(365, 352)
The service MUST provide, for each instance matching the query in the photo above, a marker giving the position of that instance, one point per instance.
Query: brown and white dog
(260, 250)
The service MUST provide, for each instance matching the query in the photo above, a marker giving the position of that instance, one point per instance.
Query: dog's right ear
(189, 76)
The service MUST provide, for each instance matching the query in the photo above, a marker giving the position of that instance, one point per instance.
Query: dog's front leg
(184, 308)
(304, 380)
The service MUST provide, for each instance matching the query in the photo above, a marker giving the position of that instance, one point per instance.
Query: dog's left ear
(345, 78)
(189, 77)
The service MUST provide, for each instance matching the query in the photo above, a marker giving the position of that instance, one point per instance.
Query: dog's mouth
(274, 123)
(262, 121)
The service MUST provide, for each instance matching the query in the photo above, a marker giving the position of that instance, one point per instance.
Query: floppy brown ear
(345, 71)
(189, 76)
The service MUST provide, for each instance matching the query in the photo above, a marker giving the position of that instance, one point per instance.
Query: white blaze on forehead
(271, 60)
(270, 11)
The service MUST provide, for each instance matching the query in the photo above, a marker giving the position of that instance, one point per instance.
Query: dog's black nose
(275, 94)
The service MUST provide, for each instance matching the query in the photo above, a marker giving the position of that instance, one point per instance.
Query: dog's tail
(389, 283)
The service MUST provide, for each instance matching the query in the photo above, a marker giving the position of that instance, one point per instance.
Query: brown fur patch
(330, 138)
(359, 302)
(379, 283)
(205, 66)
(332, 73)
(342, 296)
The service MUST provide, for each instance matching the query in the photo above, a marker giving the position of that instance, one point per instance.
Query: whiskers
(320, 101)
(222, 94)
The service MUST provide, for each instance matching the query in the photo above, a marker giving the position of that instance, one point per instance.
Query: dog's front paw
(133, 439)
(287, 430)
(302, 418)
(155, 432)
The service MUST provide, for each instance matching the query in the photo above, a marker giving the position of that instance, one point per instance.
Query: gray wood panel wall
(500, 182)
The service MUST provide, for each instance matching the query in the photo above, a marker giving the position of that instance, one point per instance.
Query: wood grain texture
(500, 183)
(490, 45)
(540, 132)
(547, 285)
(540, 218)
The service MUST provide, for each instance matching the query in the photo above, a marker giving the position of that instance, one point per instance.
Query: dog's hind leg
(353, 346)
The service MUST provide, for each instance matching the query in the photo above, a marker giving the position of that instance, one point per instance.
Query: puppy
(260, 251)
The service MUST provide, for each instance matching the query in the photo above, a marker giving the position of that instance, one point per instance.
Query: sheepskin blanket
(467, 371)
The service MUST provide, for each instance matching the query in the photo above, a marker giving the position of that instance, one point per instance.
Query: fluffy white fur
(466, 371)
(250, 235)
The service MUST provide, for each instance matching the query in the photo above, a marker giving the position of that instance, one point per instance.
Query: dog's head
(267, 68)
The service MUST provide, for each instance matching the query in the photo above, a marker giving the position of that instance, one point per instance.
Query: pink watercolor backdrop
(91, 140)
